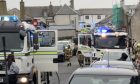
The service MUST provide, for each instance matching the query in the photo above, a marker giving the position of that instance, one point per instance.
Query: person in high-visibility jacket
(68, 55)
(80, 57)
(137, 63)
(137, 50)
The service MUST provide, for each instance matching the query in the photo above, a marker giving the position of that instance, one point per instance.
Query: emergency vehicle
(35, 50)
(110, 43)
(104, 43)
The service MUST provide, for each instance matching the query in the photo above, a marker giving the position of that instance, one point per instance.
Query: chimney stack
(22, 10)
(3, 7)
(72, 4)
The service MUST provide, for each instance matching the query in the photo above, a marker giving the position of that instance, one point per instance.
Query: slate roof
(66, 10)
(16, 12)
(97, 11)
(37, 11)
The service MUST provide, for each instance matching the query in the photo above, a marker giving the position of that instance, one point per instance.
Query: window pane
(13, 41)
(86, 17)
(46, 38)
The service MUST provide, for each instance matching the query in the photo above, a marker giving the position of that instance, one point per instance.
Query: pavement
(64, 72)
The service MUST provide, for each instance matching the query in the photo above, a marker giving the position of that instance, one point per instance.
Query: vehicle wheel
(34, 79)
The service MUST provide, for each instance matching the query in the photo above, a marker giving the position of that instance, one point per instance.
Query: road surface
(64, 72)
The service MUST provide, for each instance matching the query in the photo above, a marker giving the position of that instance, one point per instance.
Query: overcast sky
(77, 3)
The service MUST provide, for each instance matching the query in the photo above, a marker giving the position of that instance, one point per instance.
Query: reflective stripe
(35, 53)
(45, 53)
(16, 54)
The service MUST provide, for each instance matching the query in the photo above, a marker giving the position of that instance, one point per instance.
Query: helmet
(138, 45)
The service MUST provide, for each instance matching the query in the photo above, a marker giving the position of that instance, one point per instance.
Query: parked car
(61, 55)
(103, 75)
(72, 45)
(66, 43)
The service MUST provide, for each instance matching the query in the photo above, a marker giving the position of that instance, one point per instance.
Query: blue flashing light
(9, 18)
(101, 66)
(103, 29)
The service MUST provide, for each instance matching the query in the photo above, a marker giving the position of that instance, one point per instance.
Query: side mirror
(22, 34)
(36, 47)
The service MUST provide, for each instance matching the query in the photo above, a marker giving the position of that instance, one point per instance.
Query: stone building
(135, 24)
(3, 7)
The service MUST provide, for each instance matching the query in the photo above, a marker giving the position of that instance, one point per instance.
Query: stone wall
(135, 24)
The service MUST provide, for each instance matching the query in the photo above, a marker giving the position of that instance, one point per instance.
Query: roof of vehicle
(112, 33)
(64, 41)
(106, 71)
(114, 62)
(117, 64)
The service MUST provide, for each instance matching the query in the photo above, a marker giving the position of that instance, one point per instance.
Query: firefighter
(137, 62)
(137, 51)
(68, 55)
(80, 57)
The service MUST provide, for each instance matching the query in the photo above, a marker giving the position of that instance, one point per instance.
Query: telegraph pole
(3, 7)
(75, 26)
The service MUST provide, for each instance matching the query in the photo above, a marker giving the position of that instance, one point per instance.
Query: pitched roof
(37, 11)
(16, 12)
(101, 11)
(66, 10)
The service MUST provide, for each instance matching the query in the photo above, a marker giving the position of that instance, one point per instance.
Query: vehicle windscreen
(13, 41)
(90, 79)
(85, 40)
(110, 42)
(46, 39)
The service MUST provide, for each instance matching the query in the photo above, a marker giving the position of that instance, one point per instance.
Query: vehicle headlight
(23, 79)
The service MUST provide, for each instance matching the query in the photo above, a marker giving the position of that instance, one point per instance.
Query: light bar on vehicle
(104, 29)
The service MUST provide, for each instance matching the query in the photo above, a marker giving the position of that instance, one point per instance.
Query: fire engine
(104, 43)
(35, 50)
